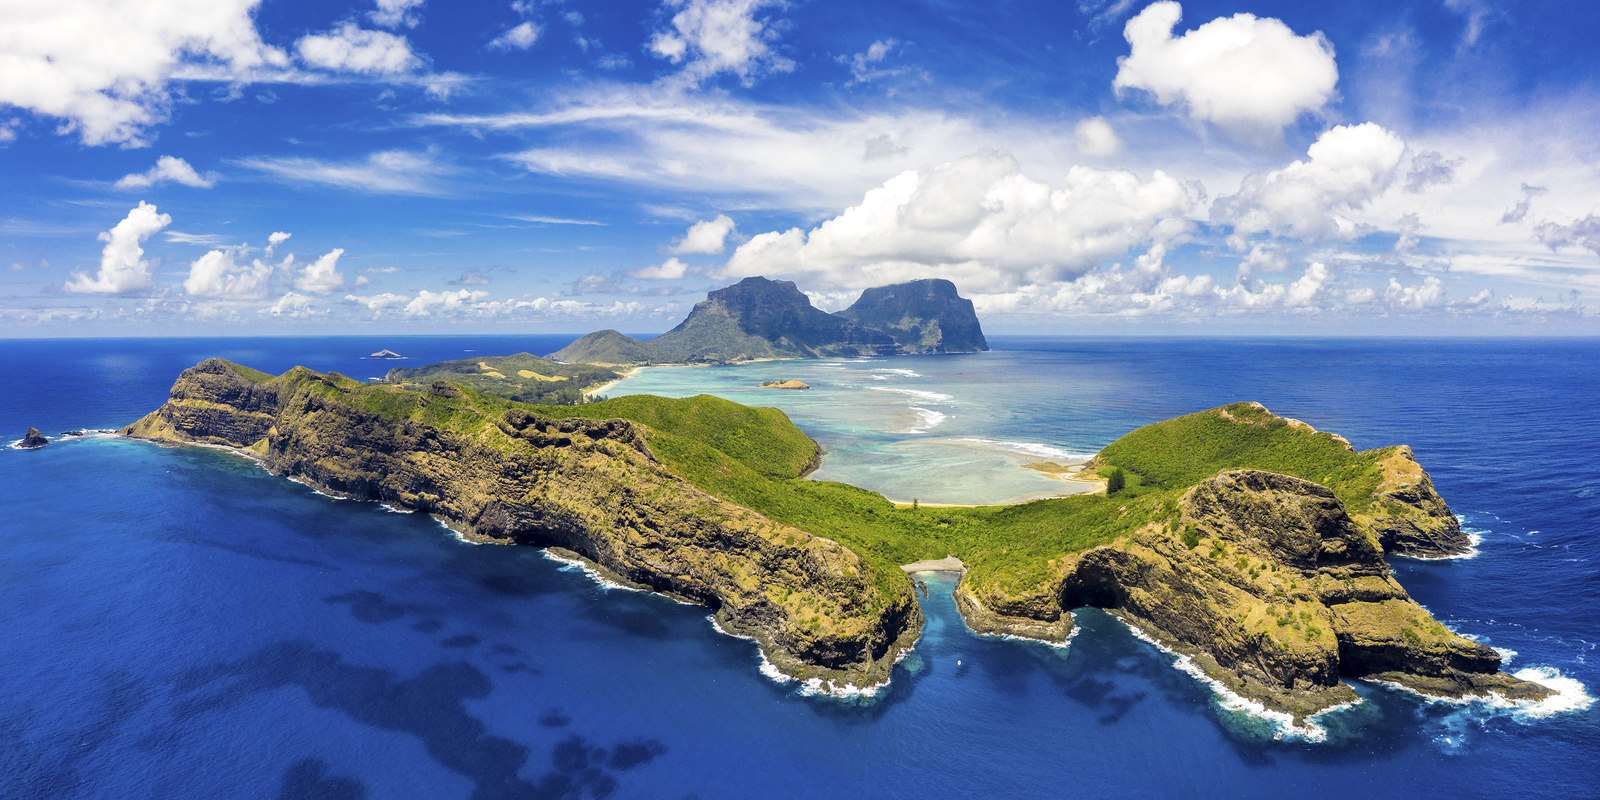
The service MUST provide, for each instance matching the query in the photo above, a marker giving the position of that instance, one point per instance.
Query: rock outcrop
(33, 440)
(1273, 590)
(497, 472)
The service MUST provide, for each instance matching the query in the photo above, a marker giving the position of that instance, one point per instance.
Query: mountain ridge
(758, 318)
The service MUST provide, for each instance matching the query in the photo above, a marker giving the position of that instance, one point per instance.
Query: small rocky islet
(1252, 543)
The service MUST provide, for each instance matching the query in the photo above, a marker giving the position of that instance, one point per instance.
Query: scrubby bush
(1116, 481)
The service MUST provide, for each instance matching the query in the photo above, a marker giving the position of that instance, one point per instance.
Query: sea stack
(33, 440)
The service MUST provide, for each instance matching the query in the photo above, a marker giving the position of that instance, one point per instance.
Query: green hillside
(522, 377)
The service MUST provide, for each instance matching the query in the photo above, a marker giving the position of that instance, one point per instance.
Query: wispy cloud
(553, 220)
(387, 172)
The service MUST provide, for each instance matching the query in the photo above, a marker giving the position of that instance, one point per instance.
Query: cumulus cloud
(1244, 73)
(427, 303)
(277, 238)
(472, 277)
(167, 168)
(322, 276)
(978, 221)
(350, 48)
(710, 37)
(1520, 210)
(378, 302)
(104, 67)
(1584, 233)
(671, 270)
(1347, 167)
(1429, 168)
(1095, 137)
(293, 306)
(707, 237)
(123, 269)
(394, 13)
(218, 274)
(521, 37)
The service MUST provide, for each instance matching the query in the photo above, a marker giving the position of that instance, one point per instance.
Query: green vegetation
(1116, 481)
(1180, 452)
(755, 457)
(523, 377)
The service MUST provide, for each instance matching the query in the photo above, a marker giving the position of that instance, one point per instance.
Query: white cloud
(277, 238)
(521, 37)
(553, 220)
(1096, 138)
(378, 302)
(1520, 210)
(862, 67)
(1245, 73)
(714, 36)
(427, 303)
(166, 169)
(1262, 258)
(388, 172)
(218, 274)
(394, 13)
(122, 266)
(978, 221)
(293, 306)
(707, 237)
(1347, 167)
(103, 66)
(1430, 168)
(349, 48)
(1584, 233)
(883, 146)
(671, 270)
(321, 276)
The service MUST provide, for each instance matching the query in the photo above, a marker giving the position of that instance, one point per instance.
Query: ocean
(179, 623)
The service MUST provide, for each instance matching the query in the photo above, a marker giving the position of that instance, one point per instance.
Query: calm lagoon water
(178, 623)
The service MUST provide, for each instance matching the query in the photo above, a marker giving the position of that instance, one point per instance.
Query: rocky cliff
(1271, 587)
(498, 472)
(926, 316)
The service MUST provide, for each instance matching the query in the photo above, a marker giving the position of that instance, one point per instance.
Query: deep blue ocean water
(179, 623)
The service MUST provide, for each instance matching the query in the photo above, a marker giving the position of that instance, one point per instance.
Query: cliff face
(500, 473)
(760, 318)
(1273, 589)
(926, 316)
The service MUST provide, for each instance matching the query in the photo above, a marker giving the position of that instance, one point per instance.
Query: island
(33, 440)
(758, 319)
(785, 385)
(386, 353)
(1254, 544)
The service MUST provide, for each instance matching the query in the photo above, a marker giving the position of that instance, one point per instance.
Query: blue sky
(180, 167)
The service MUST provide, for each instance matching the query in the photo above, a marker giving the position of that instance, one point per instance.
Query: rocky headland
(1254, 544)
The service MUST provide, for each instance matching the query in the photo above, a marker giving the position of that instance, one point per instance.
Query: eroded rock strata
(1272, 588)
(499, 473)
